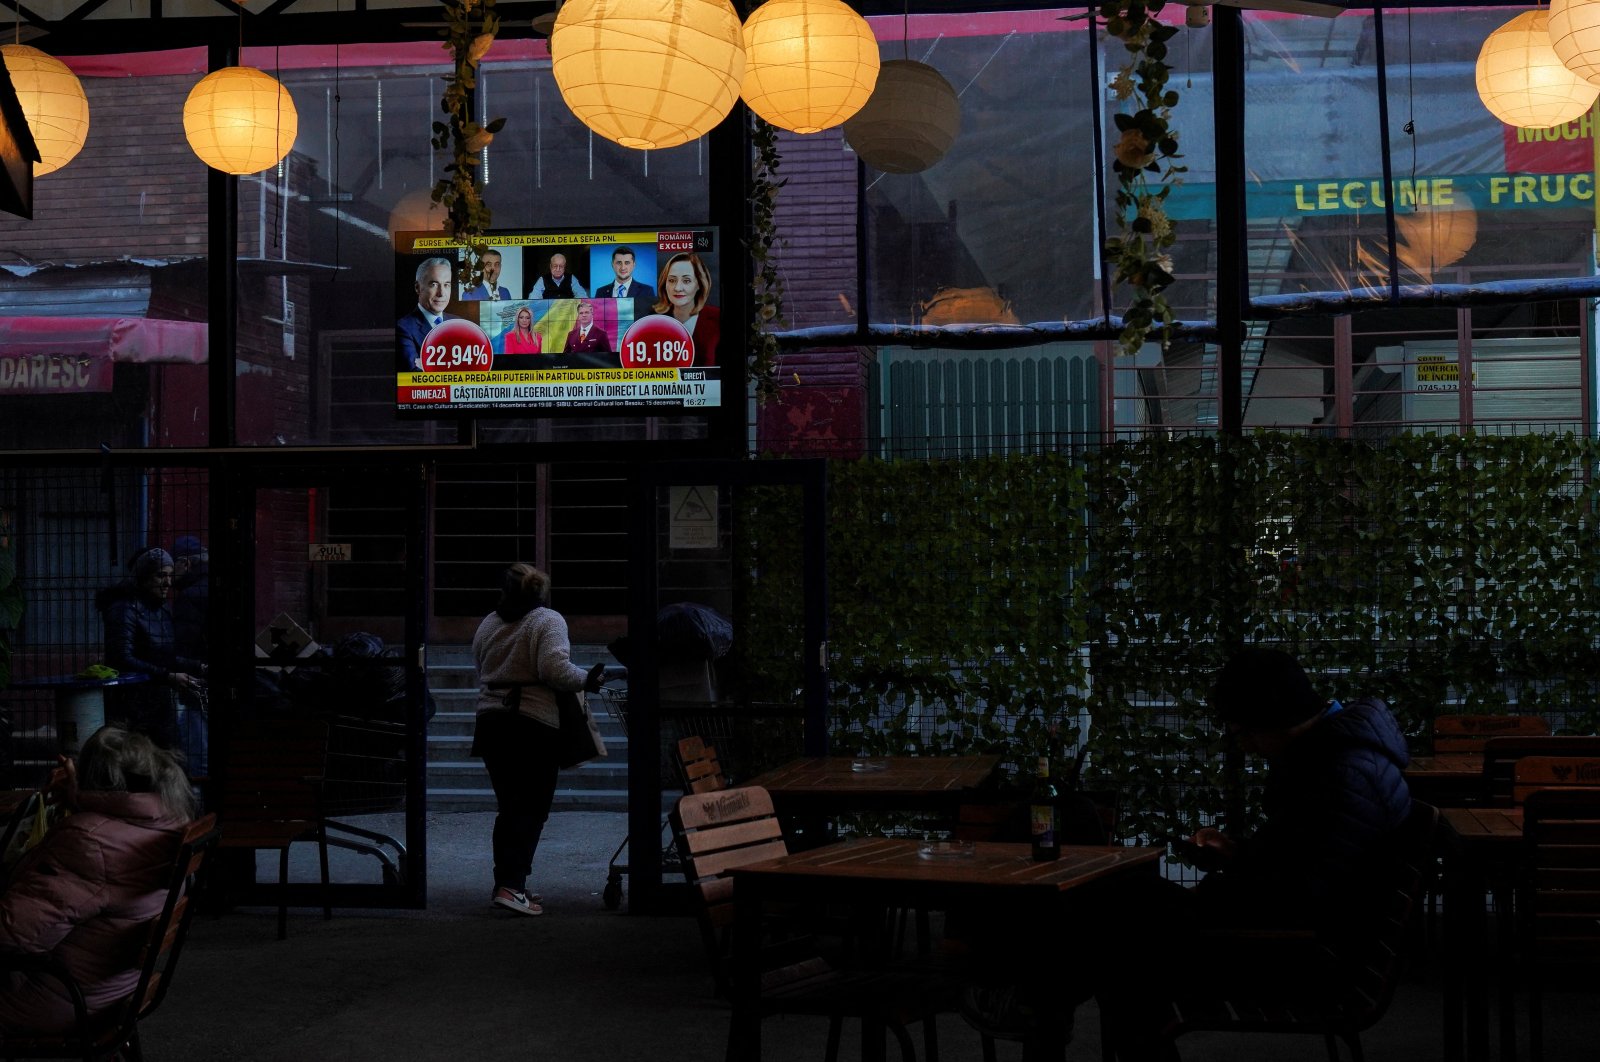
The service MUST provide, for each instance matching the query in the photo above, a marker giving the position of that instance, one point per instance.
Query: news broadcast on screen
(626, 319)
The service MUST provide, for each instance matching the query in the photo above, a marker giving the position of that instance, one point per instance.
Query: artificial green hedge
(997, 603)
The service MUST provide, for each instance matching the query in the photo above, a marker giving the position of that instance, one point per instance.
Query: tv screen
(626, 320)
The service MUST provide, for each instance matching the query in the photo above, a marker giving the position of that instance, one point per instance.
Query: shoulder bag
(577, 737)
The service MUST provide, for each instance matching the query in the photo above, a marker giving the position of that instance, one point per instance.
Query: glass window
(317, 351)
(103, 293)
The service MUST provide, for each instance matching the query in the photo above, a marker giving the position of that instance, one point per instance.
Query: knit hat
(1265, 689)
(187, 546)
(149, 562)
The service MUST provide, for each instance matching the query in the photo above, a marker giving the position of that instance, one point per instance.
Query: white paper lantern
(812, 64)
(648, 73)
(53, 101)
(910, 121)
(1575, 36)
(240, 120)
(1521, 80)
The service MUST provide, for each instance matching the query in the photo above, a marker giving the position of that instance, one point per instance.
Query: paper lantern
(1429, 238)
(416, 212)
(240, 120)
(910, 121)
(1575, 36)
(648, 73)
(810, 64)
(53, 101)
(1522, 82)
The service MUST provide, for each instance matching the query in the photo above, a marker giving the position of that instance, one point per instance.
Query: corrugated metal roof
(112, 289)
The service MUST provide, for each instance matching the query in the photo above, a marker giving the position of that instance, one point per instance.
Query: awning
(74, 355)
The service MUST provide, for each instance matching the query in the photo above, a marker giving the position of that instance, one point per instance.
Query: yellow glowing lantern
(910, 121)
(240, 120)
(648, 73)
(1575, 36)
(1521, 80)
(53, 101)
(812, 64)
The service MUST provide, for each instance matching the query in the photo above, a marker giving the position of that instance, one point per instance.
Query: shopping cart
(714, 725)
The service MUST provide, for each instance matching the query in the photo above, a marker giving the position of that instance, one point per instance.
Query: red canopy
(74, 355)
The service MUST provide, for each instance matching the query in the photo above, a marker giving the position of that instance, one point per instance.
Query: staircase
(457, 782)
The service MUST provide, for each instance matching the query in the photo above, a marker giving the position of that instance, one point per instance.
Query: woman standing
(685, 286)
(523, 656)
(140, 637)
(86, 894)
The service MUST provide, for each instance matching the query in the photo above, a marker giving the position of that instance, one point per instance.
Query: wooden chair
(1335, 985)
(701, 771)
(115, 1034)
(1559, 893)
(1533, 773)
(1467, 733)
(1500, 755)
(718, 831)
(272, 796)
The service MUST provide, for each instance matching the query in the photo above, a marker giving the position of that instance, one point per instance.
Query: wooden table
(1449, 779)
(882, 872)
(828, 785)
(1482, 849)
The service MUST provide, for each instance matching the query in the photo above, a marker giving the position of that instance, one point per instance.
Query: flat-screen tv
(626, 320)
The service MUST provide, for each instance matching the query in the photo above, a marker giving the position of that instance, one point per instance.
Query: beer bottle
(1042, 824)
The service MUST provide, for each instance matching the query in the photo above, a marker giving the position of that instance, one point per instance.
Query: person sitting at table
(1335, 799)
(140, 637)
(1335, 792)
(87, 892)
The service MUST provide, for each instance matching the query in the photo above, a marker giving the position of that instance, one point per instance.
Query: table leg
(1466, 997)
(1504, 966)
(744, 1033)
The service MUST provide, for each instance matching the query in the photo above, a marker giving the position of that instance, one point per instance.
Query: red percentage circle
(456, 346)
(657, 342)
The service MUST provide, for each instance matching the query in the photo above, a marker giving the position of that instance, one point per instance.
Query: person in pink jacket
(88, 891)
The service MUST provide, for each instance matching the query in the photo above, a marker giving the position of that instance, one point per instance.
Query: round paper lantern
(416, 212)
(811, 64)
(53, 101)
(240, 120)
(1575, 36)
(910, 121)
(1522, 82)
(648, 73)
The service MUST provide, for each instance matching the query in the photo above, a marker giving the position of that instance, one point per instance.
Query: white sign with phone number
(330, 551)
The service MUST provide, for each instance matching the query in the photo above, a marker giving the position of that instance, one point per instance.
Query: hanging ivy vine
(470, 29)
(766, 285)
(1146, 149)
(1442, 573)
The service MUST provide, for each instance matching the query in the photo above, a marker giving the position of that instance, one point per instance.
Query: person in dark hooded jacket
(1335, 794)
(1334, 801)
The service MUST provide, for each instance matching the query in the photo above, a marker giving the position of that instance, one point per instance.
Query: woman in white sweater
(523, 656)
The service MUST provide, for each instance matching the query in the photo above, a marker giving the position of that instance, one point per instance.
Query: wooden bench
(1467, 733)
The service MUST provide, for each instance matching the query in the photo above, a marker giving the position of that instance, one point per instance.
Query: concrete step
(452, 748)
(470, 774)
(473, 799)
(457, 782)
(461, 721)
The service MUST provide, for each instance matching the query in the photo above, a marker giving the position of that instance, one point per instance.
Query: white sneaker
(516, 900)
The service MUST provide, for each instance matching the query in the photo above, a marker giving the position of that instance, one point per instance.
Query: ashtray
(947, 850)
(864, 766)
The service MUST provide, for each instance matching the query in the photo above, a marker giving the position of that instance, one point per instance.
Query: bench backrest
(1468, 733)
